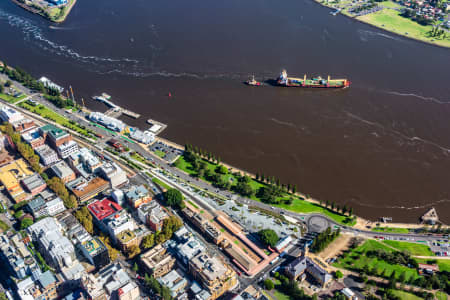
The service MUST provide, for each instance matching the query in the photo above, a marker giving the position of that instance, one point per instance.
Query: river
(381, 146)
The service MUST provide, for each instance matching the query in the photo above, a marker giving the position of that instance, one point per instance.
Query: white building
(10, 115)
(50, 84)
(174, 281)
(47, 155)
(55, 206)
(56, 248)
(68, 148)
(110, 123)
(118, 196)
(189, 249)
(144, 137)
(118, 223)
(113, 173)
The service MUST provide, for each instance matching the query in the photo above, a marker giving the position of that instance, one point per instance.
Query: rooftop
(103, 208)
(61, 169)
(34, 181)
(53, 131)
(137, 192)
(81, 187)
(125, 236)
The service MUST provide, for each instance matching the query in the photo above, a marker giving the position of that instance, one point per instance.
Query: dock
(115, 111)
(156, 127)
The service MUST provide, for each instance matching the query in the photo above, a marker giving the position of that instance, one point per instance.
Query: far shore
(423, 40)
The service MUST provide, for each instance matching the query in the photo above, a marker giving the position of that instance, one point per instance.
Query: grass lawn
(391, 230)
(356, 260)
(413, 248)
(160, 183)
(49, 114)
(11, 99)
(391, 20)
(406, 296)
(160, 153)
(389, 4)
(441, 295)
(298, 205)
(280, 296)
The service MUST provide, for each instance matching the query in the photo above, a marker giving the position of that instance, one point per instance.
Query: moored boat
(316, 82)
(253, 82)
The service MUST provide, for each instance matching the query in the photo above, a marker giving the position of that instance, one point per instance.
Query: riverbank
(389, 19)
(54, 14)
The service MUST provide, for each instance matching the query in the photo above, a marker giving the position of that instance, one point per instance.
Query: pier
(116, 111)
(156, 127)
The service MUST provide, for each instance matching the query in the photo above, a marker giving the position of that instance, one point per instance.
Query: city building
(152, 214)
(306, 264)
(23, 125)
(19, 264)
(127, 239)
(174, 281)
(54, 136)
(47, 155)
(138, 195)
(66, 149)
(215, 276)
(55, 206)
(102, 209)
(113, 173)
(349, 294)
(11, 175)
(10, 115)
(118, 196)
(119, 222)
(283, 243)
(33, 138)
(108, 122)
(157, 261)
(37, 207)
(55, 247)
(91, 247)
(111, 282)
(85, 189)
(63, 171)
(188, 250)
(39, 287)
(144, 137)
(89, 160)
(34, 184)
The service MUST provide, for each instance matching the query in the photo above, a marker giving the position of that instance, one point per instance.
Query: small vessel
(253, 82)
(315, 82)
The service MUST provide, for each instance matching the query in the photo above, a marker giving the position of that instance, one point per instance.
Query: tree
(268, 284)
(339, 274)
(222, 169)
(135, 267)
(133, 251)
(244, 188)
(294, 189)
(71, 202)
(269, 237)
(8, 83)
(1, 88)
(3, 296)
(350, 211)
(174, 198)
(26, 222)
(148, 241)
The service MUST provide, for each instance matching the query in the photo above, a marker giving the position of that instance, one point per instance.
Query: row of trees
(57, 185)
(323, 239)
(271, 180)
(202, 153)
(345, 210)
(23, 77)
(85, 218)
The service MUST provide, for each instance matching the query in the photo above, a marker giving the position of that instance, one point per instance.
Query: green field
(389, 4)
(298, 205)
(391, 230)
(441, 296)
(406, 296)
(3, 226)
(280, 296)
(413, 248)
(160, 183)
(11, 99)
(160, 153)
(391, 20)
(49, 114)
(356, 260)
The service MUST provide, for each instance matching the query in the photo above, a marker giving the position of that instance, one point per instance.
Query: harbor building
(157, 261)
(108, 122)
(144, 137)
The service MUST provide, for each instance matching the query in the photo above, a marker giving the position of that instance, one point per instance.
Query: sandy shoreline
(38, 12)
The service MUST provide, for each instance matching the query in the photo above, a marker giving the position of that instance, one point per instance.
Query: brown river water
(381, 146)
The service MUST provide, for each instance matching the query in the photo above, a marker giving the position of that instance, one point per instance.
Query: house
(306, 264)
(55, 206)
(174, 281)
(138, 195)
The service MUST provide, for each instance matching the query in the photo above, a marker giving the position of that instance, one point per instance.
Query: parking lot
(166, 152)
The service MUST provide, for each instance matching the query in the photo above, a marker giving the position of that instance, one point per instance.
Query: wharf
(157, 131)
(116, 111)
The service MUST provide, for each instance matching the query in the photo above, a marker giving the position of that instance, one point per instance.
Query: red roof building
(102, 209)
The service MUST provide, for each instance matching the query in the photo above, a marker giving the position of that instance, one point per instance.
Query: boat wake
(173, 74)
(289, 124)
(34, 33)
(430, 99)
(435, 203)
(446, 151)
(364, 35)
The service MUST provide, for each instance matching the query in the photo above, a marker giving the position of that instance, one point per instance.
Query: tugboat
(316, 82)
(253, 82)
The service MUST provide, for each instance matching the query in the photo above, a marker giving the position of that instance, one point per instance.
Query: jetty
(156, 127)
(115, 111)
(430, 217)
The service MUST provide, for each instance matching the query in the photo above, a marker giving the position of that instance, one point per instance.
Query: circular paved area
(317, 224)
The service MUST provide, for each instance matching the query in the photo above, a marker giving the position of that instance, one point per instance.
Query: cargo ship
(316, 82)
